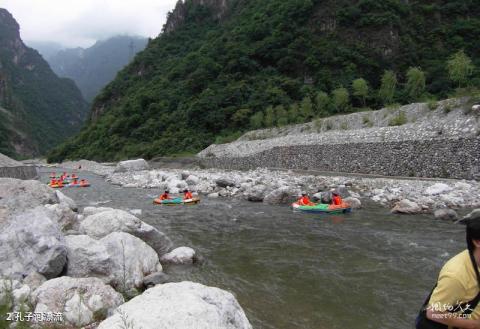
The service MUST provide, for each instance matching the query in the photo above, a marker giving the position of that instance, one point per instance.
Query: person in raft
(187, 195)
(305, 201)
(454, 299)
(336, 199)
(165, 196)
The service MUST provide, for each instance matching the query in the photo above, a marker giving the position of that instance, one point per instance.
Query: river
(367, 269)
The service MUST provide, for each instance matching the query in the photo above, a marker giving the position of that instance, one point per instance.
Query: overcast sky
(74, 23)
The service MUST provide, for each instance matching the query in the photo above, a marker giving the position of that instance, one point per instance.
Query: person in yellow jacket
(453, 303)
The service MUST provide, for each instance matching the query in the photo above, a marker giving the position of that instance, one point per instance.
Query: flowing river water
(367, 269)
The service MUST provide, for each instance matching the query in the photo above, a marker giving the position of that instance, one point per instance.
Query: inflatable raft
(56, 185)
(177, 201)
(78, 185)
(323, 208)
(64, 184)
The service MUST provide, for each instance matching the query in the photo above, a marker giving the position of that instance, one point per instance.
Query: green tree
(341, 99)
(241, 117)
(388, 87)
(281, 115)
(415, 83)
(360, 90)
(306, 109)
(460, 68)
(294, 115)
(322, 102)
(256, 120)
(269, 118)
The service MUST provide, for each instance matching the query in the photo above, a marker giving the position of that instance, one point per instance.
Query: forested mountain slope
(38, 110)
(226, 66)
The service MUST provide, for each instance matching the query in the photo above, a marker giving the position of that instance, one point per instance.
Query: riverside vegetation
(224, 67)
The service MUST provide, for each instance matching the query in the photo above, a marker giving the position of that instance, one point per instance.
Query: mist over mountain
(38, 110)
(93, 68)
(45, 48)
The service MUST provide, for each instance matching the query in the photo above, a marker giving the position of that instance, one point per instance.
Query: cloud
(74, 23)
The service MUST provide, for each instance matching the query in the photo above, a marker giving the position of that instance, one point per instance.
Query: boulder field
(85, 265)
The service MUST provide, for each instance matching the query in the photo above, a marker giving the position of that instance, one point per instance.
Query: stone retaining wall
(442, 157)
(19, 172)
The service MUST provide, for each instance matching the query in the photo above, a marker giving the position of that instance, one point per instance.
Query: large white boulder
(406, 206)
(256, 193)
(31, 242)
(87, 257)
(282, 195)
(63, 199)
(179, 256)
(438, 188)
(192, 180)
(88, 211)
(64, 216)
(132, 260)
(81, 300)
(184, 305)
(34, 280)
(18, 195)
(132, 165)
(106, 222)
(353, 202)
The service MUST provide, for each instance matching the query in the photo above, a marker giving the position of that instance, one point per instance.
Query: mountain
(226, 66)
(46, 48)
(95, 67)
(37, 109)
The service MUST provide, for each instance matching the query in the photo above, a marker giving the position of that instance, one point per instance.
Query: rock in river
(256, 193)
(184, 305)
(445, 214)
(282, 195)
(132, 260)
(353, 202)
(179, 256)
(406, 206)
(106, 222)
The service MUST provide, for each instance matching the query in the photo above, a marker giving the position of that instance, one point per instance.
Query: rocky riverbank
(438, 139)
(16, 169)
(93, 264)
(282, 187)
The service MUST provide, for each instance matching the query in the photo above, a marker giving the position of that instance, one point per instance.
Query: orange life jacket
(337, 200)
(164, 196)
(304, 201)
(187, 195)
